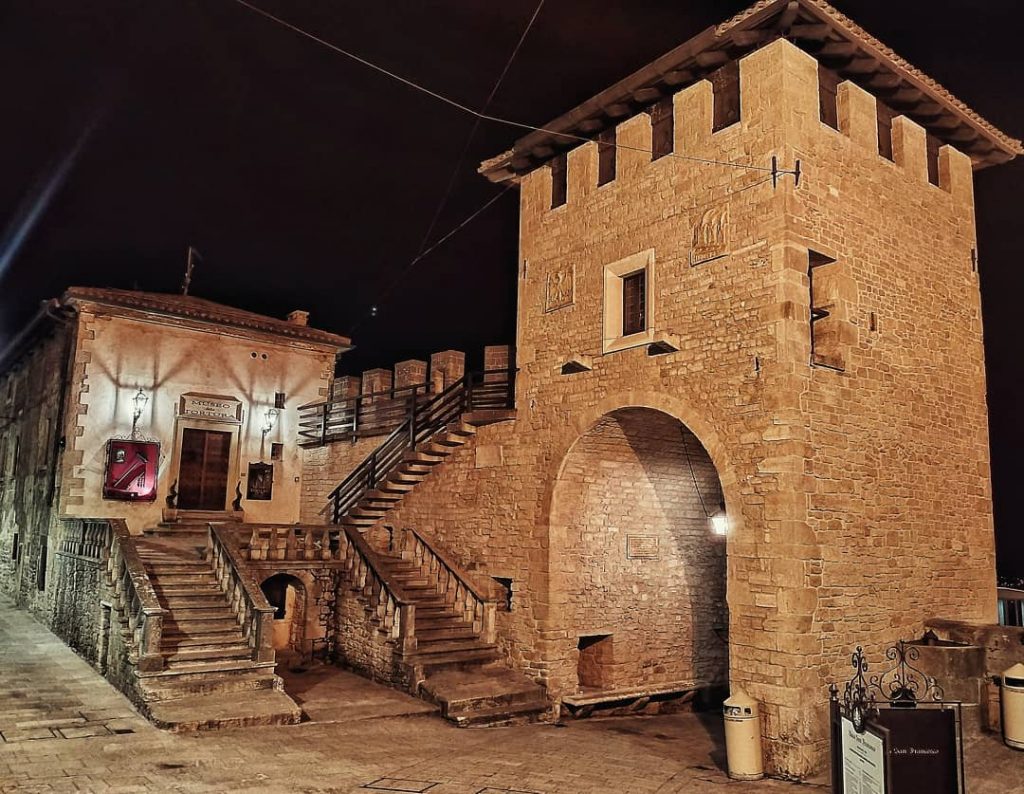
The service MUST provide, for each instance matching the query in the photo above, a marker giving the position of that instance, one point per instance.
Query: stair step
(432, 647)
(439, 622)
(207, 653)
(172, 591)
(206, 580)
(499, 715)
(382, 496)
(210, 665)
(202, 611)
(455, 660)
(445, 633)
(180, 640)
(194, 625)
(190, 601)
(223, 710)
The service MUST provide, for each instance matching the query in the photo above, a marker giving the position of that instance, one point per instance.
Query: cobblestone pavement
(66, 729)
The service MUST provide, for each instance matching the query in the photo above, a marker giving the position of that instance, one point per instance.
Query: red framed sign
(131, 470)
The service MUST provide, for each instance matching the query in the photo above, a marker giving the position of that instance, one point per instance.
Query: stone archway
(288, 595)
(637, 573)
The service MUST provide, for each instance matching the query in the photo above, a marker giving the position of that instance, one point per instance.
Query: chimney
(298, 317)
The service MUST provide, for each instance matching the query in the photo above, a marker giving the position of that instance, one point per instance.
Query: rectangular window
(606, 157)
(826, 343)
(559, 181)
(14, 547)
(828, 82)
(276, 451)
(634, 303)
(279, 400)
(662, 128)
(725, 84)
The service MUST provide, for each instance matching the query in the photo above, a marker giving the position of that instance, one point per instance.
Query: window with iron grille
(634, 303)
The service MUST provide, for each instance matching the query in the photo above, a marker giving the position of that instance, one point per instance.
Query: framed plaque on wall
(131, 470)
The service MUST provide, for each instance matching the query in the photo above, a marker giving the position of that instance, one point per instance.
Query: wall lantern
(139, 401)
(720, 522)
(269, 420)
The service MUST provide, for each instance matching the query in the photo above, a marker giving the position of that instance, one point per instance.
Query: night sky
(131, 130)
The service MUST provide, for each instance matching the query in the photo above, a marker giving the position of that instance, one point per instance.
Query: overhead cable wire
(451, 233)
(475, 127)
(485, 116)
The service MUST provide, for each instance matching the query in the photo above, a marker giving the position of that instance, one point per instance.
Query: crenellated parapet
(782, 94)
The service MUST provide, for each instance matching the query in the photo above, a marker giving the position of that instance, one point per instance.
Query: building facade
(148, 408)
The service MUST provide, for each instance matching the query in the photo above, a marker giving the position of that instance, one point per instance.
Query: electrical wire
(451, 233)
(485, 116)
(689, 463)
(475, 127)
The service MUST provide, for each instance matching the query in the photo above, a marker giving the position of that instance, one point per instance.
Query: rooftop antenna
(191, 258)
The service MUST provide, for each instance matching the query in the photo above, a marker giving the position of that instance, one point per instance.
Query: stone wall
(31, 436)
(323, 469)
(633, 553)
(360, 646)
(78, 585)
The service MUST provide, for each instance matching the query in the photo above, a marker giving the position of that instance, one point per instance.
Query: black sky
(308, 181)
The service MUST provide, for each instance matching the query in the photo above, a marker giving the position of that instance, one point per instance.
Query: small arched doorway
(638, 557)
(287, 594)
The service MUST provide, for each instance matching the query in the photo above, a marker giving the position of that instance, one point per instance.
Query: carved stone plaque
(642, 547)
(711, 235)
(210, 406)
(560, 289)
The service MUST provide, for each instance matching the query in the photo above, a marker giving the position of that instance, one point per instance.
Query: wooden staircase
(208, 659)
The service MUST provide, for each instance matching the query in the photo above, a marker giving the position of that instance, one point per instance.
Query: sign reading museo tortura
(208, 406)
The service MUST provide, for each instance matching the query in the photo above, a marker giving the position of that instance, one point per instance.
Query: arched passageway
(638, 557)
(287, 594)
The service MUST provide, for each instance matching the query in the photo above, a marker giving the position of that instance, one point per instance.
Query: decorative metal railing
(137, 604)
(247, 601)
(475, 391)
(477, 601)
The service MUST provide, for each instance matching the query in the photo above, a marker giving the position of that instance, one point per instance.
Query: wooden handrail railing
(247, 601)
(477, 600)
(474, 391)
(136, 599)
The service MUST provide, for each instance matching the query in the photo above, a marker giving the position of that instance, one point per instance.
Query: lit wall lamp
(720, 522)
(269, 420)
(139, 403)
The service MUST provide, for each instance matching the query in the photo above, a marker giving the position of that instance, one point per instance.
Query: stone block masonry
(858, 495)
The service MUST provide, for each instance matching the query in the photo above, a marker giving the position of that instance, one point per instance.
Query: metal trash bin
(1013, 707)
(743, 737)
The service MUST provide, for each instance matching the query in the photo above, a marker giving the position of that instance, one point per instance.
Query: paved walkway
(66, 729)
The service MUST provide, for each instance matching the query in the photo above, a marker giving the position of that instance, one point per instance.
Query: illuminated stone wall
(117, 355)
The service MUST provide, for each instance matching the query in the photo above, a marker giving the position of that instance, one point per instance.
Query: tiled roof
(814, 26)
(192, 308)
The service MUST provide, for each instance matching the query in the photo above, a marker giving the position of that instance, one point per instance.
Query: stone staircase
(456, 662)
(211, 676)
(411, 470)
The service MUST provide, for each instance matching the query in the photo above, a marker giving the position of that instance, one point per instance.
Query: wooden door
(203, 473)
